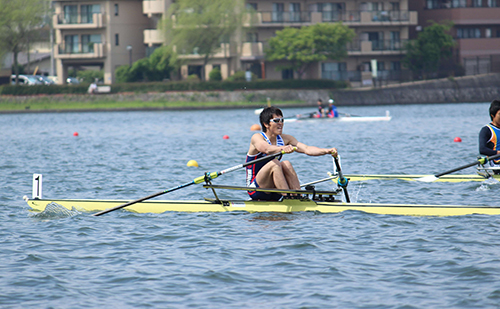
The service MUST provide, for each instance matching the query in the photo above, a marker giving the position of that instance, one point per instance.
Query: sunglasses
(278, 120)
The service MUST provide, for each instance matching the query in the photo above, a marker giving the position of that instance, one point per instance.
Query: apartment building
(476, 30)
(381, 29)
(98, 33)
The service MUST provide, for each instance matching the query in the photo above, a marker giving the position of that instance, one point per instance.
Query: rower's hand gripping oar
(198, 180)
(342, 181)
(483, 160)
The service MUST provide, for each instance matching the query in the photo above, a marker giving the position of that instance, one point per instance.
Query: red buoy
(225, 137)
(457, 140)
(75, 134)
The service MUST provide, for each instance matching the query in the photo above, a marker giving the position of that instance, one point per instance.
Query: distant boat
(343, 117)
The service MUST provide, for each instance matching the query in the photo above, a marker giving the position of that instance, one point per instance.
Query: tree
(299, 47)
(432, 46)
(19, 21)
(156, 67)
(200, 26)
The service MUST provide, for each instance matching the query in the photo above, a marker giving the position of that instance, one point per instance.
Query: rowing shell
(341, 118)
(284, 206)
(293, 201)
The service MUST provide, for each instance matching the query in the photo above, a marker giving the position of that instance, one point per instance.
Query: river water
(240, 260)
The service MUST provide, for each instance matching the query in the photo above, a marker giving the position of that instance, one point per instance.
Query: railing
(344, 16)
(334, 16)
(79, 19)
(388, 44)
(352, 76)
(286, 17)
(80, 49)
(455, 4)
(355, 76)
(376, 45)
(390, 16)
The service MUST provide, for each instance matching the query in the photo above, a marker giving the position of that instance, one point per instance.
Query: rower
(275, 173)
(321, 111)
(332, 110)
(489, 136)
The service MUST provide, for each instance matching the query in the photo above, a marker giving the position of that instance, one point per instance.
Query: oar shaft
(342, 179)
(195, 181)
(142, 199)
(482, 161)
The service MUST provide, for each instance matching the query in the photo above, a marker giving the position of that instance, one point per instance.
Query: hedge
(178, 86)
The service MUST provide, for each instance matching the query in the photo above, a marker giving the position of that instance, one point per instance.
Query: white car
(25, 80)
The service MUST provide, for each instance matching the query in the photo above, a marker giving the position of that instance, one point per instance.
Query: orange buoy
(255, 127)
(457, 140)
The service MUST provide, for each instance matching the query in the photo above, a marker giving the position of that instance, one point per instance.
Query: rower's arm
(310, 150)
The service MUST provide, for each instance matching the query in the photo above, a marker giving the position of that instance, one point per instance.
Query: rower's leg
(271, 176)
(291, 176)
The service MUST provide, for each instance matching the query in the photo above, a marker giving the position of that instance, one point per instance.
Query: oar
(342, 181)
(194, 181)
(483, 160)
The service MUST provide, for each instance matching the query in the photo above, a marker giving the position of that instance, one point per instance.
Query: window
(70, 14)
(117, 40)
(395, 66)
(394, 6)
(71, 44)
(88, 11)
(294, 11)
(458, 3)
(252, 37)
(277, 14)
(334, 70)
(252, 6)
(88, 41)
(116, 9)
(287, 74)
(487, 33)
(468, 33)
(493, 3)
(477, 3)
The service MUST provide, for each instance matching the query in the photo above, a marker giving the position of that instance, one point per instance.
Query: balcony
(79, 51)
(376, 47)
(252, 51)
(151, 7)
(226, 50)
(79, 21)
(285, 17)
(351, 18)
(153, 37)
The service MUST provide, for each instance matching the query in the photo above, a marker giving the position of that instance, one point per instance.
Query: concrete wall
(470, 89)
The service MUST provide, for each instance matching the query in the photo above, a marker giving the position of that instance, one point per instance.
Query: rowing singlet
(495, 134)
(253, 169)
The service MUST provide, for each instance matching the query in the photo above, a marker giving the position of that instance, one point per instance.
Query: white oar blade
(429, 178)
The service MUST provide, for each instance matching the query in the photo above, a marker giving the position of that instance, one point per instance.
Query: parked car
(44, 79)
(72, 81)
(25, 80)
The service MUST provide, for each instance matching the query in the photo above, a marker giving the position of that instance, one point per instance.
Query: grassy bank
(48, 105)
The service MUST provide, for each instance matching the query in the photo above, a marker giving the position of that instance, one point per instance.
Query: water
(202, 260)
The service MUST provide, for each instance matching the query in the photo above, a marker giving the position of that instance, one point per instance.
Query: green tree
(19, 22)
(156, 67)
(200, 26)
(432, 46)
(299, 47)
